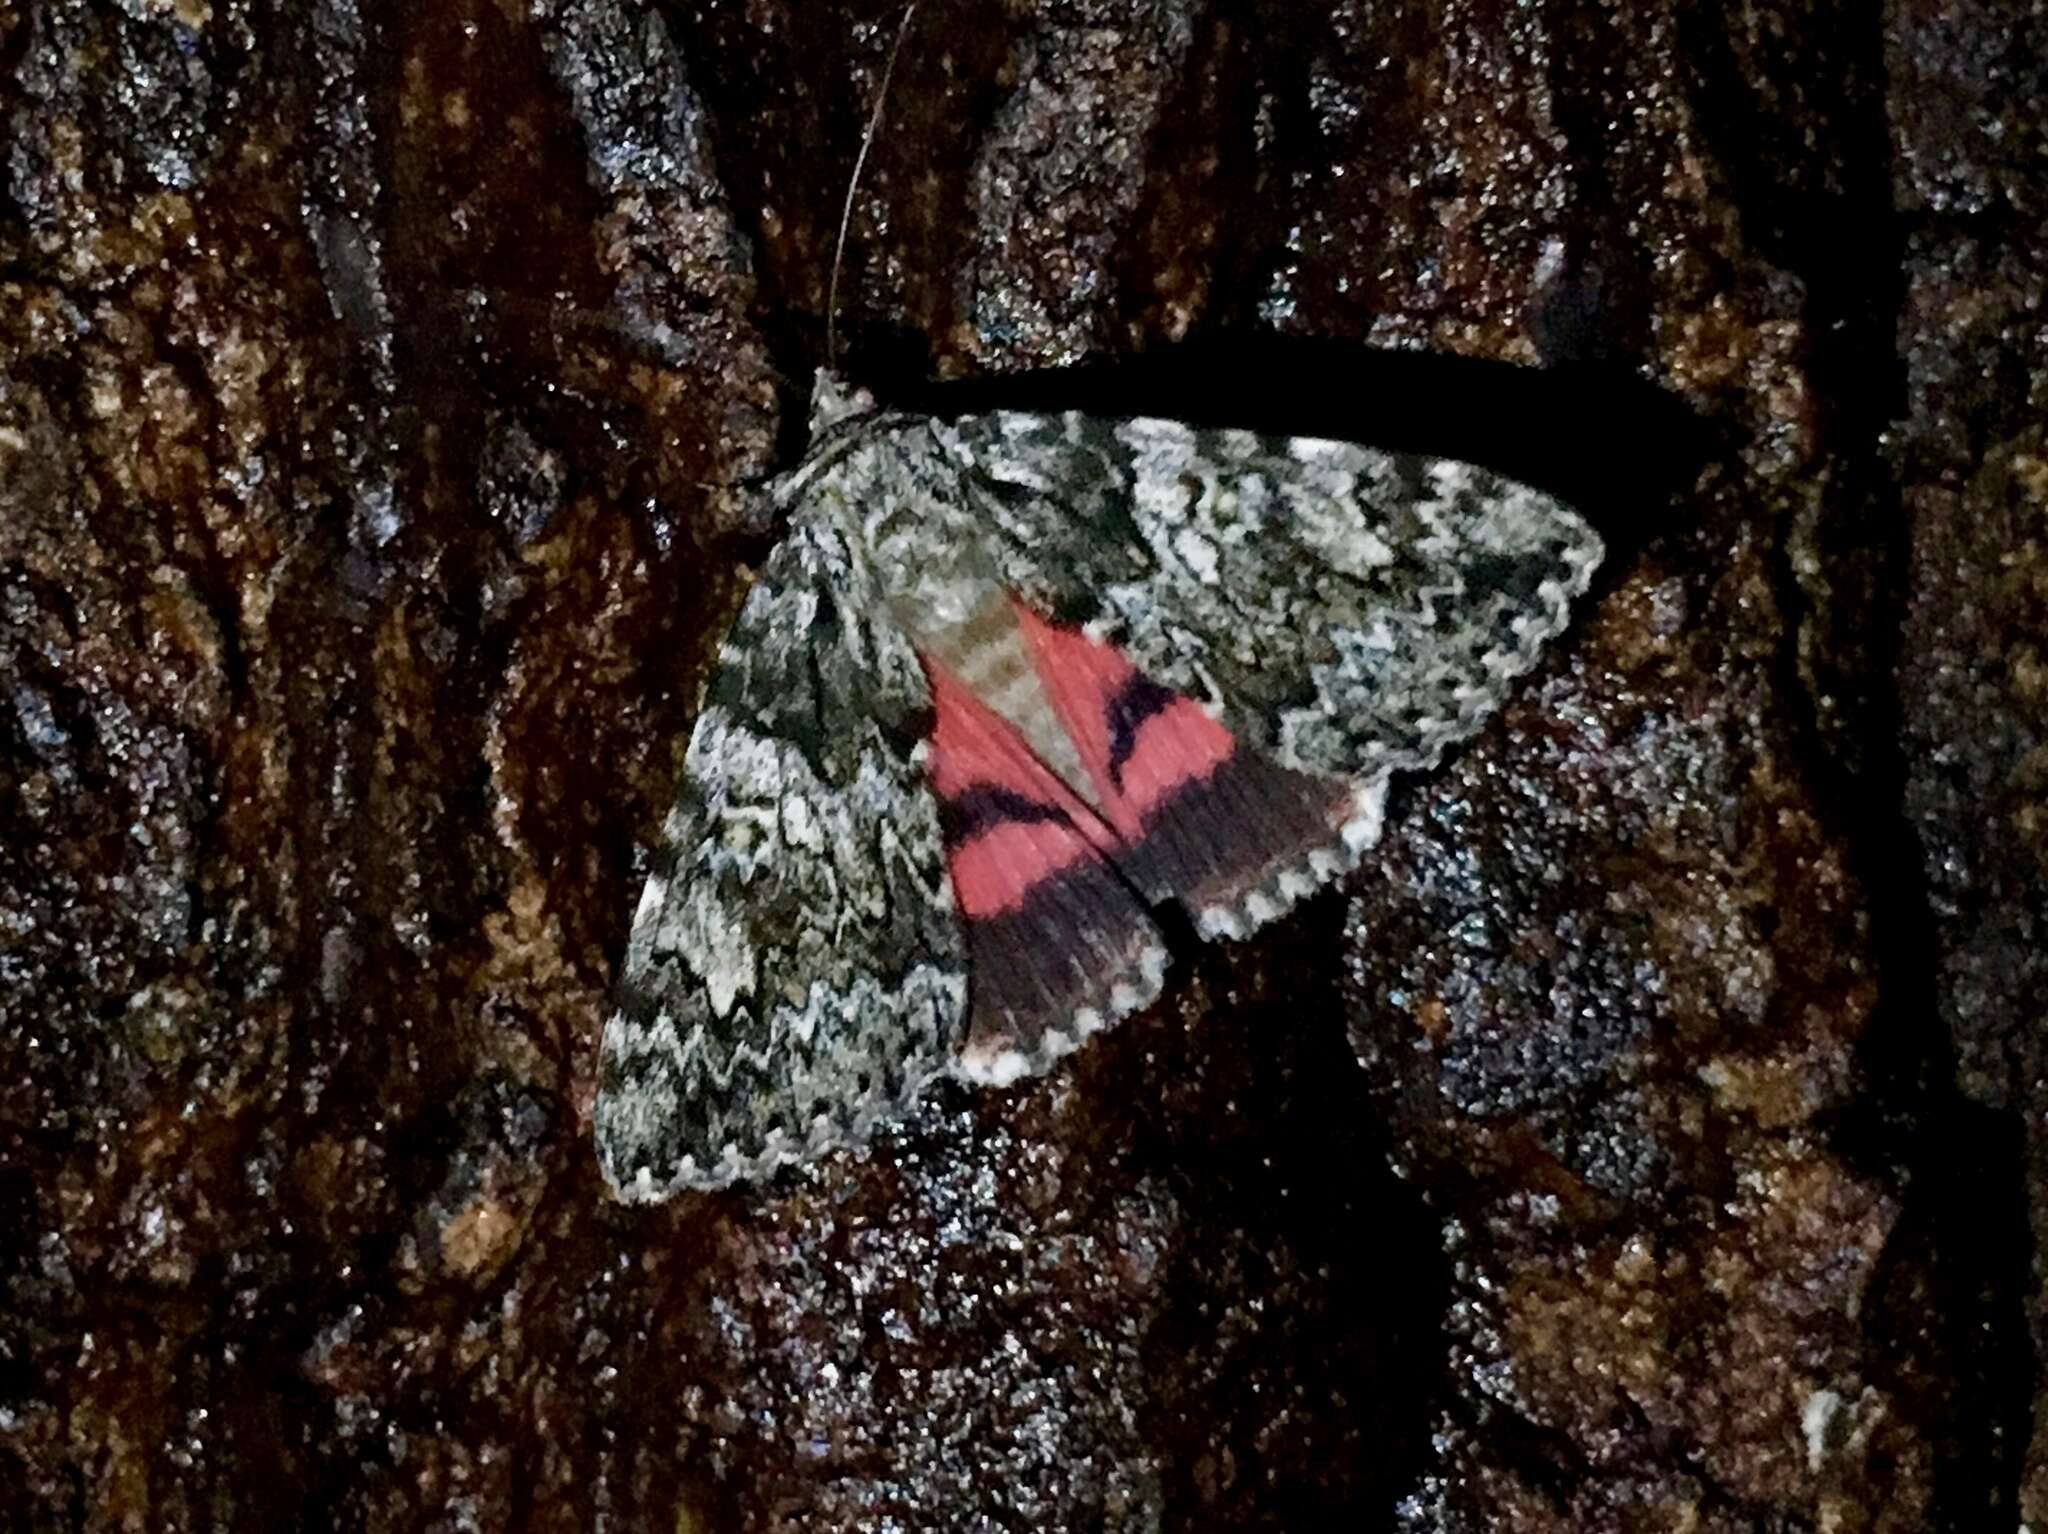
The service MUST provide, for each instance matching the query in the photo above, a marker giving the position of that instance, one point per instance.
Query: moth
(1009, 683)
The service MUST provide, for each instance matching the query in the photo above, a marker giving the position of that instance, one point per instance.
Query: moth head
(833, 400)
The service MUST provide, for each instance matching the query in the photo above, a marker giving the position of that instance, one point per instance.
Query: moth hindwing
(1008, 682)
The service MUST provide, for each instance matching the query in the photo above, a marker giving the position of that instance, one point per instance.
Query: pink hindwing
(922, 829)
(1052, 887)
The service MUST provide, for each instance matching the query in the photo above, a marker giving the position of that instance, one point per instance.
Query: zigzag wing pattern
(796, 970)
(1008, 680)
(1343, 613)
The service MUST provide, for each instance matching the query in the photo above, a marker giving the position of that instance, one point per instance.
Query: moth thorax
(959, 619)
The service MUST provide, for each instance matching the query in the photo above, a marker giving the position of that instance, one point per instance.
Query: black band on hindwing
(986, 806)
(1136, 701)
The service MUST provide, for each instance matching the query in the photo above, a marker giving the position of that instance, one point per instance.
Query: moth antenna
(853, 186)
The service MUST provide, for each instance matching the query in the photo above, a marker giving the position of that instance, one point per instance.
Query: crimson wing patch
(1200, 819)
(1008, 684)
(1052, 888)
(1057, 943)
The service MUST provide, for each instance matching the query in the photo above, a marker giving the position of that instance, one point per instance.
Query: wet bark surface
(1649, 1137)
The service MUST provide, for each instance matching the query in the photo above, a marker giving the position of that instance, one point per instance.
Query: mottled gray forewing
(796, 970)
(1354, 611)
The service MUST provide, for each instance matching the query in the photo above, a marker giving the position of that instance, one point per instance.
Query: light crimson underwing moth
(1008, 682)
